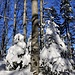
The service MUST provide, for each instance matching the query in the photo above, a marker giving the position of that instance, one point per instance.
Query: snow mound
(17, 54)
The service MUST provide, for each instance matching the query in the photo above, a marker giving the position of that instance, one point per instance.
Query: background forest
(43, 26)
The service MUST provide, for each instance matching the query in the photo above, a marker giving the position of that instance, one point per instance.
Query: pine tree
(66, 11)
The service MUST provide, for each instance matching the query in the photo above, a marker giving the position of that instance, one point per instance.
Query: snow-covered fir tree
(54, 56)
(17, 56)
(66, 12)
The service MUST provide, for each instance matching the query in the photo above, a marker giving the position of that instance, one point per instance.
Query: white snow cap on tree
(18, 37)
(52, 30)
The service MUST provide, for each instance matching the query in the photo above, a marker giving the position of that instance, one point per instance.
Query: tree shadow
(2, 67)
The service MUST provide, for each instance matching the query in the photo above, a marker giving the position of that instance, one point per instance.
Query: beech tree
(34, 43)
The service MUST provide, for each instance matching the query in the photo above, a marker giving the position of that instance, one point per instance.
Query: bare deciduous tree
(41, 26)
(34, 43)
(24, 20)
(15, 8)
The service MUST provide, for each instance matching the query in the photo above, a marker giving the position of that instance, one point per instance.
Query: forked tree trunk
(35, 43)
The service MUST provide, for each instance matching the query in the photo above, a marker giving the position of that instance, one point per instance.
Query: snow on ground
(16, 72)
(3, 71)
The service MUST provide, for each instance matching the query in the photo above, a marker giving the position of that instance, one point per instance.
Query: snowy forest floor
(3, 71)
(25, 71)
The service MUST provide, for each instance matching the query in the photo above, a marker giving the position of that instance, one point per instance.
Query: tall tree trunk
(41, 26)
(35, 43)
(14, 30)
(4, 35)
(7, 23)
(24, 20)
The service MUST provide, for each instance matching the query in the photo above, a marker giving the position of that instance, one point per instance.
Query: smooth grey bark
(35, 43)
(24, 21)
(41, 26)
(14, 30)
